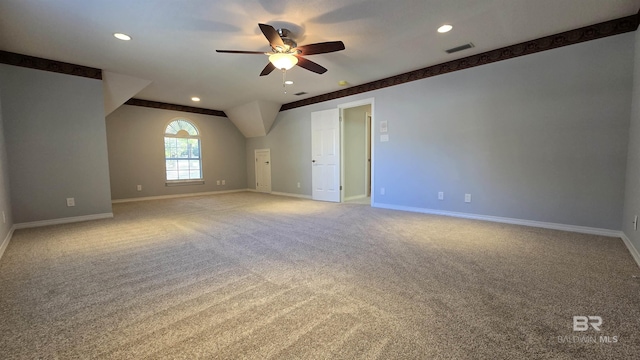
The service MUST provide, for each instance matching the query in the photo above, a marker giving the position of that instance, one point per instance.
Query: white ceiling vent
(460, 48)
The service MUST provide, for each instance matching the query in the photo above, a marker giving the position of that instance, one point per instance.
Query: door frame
(368, 151)
(341, 108)
(255, 156)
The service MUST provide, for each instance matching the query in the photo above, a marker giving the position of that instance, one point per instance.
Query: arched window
(182, 151)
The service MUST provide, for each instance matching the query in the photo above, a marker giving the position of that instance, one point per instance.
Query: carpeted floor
(257, 276)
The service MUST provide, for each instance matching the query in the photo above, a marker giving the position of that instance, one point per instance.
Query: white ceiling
(174, 41)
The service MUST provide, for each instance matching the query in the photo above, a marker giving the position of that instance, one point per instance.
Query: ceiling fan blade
(272, 35)
(321, 48)
(311, 66)
(267, 69)
(239, 52)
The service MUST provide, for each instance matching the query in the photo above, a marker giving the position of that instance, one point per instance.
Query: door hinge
(340, 187)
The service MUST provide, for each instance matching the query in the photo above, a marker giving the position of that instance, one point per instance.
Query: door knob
(313, 161)
(266, 162)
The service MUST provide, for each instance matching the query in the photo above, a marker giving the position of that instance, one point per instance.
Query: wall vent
(460, 48)
(300, 93)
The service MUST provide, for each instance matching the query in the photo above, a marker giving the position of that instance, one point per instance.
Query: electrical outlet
(71, 202)
(441, 195)
(217, 182)
(139, 187)
(382, 191)
(467, 198)
(223, 182)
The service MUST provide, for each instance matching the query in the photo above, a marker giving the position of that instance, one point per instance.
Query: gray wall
(541, 137)
(632, 193)
(135, 138)
(354, 151)
(55, 139)
(290, 142)
(5, 194)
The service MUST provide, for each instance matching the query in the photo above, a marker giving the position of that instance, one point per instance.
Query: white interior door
(325, 152)
(263, 170)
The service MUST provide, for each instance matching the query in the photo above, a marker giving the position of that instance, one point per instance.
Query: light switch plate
(383, 126)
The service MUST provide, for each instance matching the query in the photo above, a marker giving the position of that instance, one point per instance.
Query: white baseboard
(66, 220)
(632, 249)
(6, 241)
(278, 193)
(539, 224)
(162, 197)
(355, 197)
(301, 196)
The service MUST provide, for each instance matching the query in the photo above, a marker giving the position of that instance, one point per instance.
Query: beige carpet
(257, 276)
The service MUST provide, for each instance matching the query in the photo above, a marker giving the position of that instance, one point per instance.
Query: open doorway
(356, 129)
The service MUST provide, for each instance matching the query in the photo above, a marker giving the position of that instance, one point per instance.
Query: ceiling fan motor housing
(289, 43)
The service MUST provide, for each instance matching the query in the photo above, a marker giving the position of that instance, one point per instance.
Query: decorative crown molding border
(587, 33)
(174, 107)
(33, 62)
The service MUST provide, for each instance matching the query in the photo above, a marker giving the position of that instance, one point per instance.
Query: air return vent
(300, 93)
(460, 48)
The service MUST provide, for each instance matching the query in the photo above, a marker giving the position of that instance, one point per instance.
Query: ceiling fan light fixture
(283, 61)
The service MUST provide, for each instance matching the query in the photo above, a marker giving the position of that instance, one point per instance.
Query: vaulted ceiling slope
(173, 42)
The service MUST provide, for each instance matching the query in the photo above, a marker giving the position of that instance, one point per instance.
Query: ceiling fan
(285, 52)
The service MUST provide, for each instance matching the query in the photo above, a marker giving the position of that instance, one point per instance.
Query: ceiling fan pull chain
(284, 85)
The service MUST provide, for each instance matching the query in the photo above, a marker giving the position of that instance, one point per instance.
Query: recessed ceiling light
(445, 28)
(122, 36)
(195, 98)
(289, 82)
